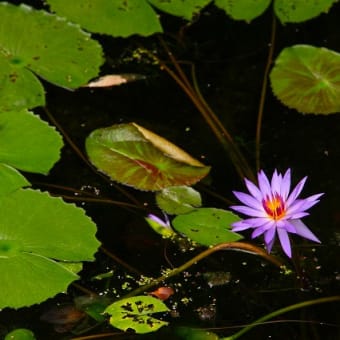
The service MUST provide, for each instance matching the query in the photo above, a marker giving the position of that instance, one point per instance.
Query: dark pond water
(230, 59)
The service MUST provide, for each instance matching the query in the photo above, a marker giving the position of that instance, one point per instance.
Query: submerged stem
(193, 92)
(282, 311)
(247, 247)
(263, 94)
(81, 155)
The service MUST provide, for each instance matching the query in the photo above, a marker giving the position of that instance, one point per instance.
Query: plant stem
(281, 311)
(81, 155)
(193, 92)
(247, 247)
(263, 94)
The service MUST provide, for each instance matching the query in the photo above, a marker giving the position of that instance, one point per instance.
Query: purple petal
(296, 192)
(264, 184)
(285, 224)
(276, 182)
(240, 225)
(296, 215)
(310, 201)
(260, 230)
(158, 220)
(270, 239)
(301, 205)
(269, 235)
(285, 185)
(285, 242)
(257, 232)
(248, 200)
(269, 246)
(258, 221)
(248, 211)
(303, 231)
(253, 189)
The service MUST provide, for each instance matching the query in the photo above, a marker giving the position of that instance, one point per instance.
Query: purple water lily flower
(273, 209)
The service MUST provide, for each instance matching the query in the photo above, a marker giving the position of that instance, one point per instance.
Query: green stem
(247, 247)
(281, 311)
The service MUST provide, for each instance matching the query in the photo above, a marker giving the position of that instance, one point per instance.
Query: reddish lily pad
(135, 156)
(307, 79)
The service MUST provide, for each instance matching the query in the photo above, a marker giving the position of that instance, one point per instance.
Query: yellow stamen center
(274, 207)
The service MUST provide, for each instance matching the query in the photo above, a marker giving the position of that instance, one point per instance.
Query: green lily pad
(19, 87)
(134, 313)
(178, 200)
(11, 179)
(119, 18)
(243, 9)
(300, 10)
(187, 333)
(134, 156)
(37, 233)
(27, 142)
(185, 9)
(20, 334)
(46, 45)
(307, 78)
(207, 226)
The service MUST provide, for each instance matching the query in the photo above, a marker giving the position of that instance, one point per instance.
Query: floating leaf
(187, 333)
(19, 87)
(48, 46)
(119, 18)
(300, 10)
(20, 334)
(134, 313)
(135, 156)
(27, 142)
(207, 226)
(10, 179)
(307, 79)
(178, 199)
(243, 9)
(93, 305)
(186, 9)
(37, 231)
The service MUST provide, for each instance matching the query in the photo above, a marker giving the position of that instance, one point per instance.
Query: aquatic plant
(275, 210)
(44, 240)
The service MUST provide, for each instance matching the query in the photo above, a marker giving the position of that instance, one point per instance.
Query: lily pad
(46, 45)
(243, 9)
(185, 9)
(37, 233)
(27, 142)
(119, 18)
(178, 200)
(307, 78)
(135, 313)
(11, 179)
(187, 333)
(20, 334)
(207, 226)
(300, 10)
(135, 156)
(19, 87)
